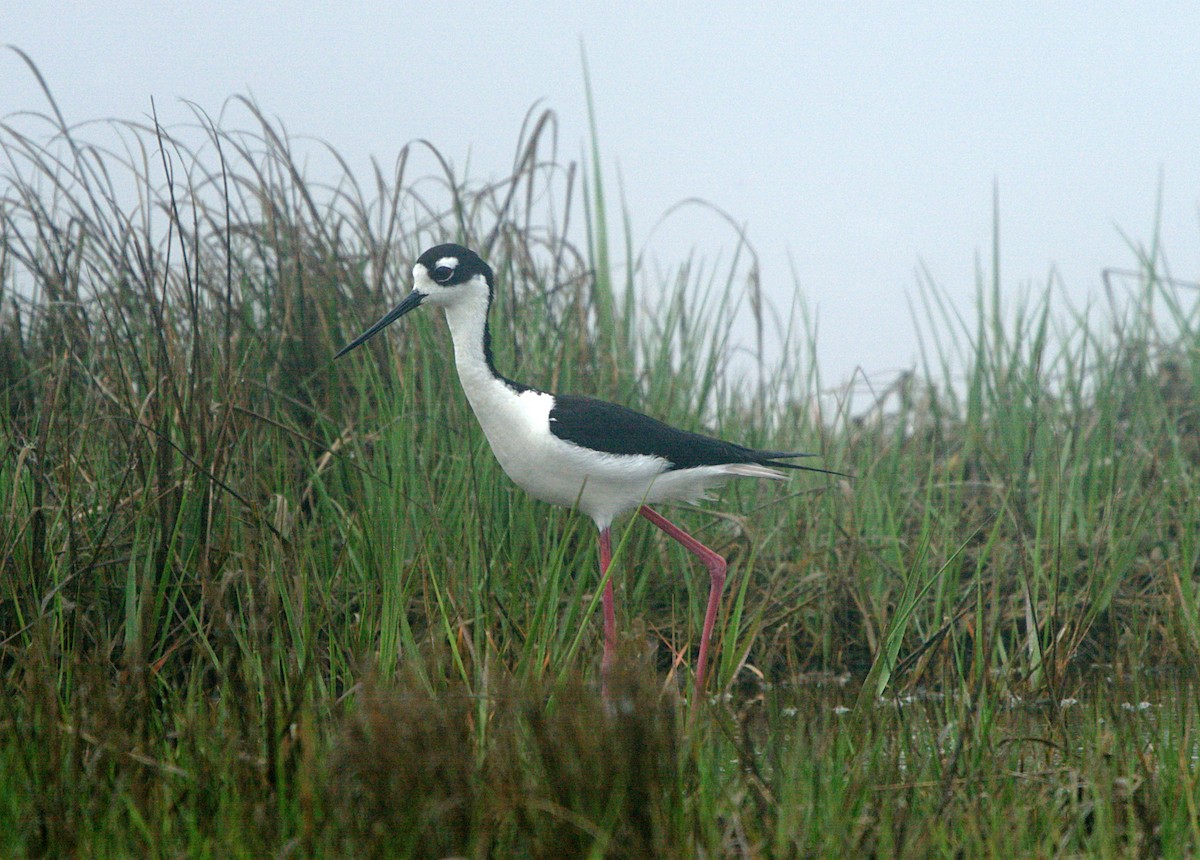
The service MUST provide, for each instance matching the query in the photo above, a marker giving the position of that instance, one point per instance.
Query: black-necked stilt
(602, 458)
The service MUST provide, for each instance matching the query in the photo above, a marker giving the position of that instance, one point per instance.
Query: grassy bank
(256, 603)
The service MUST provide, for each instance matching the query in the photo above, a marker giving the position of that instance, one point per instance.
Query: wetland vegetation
(256, 603)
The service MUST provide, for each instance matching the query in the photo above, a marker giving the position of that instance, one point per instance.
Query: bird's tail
(774, 460)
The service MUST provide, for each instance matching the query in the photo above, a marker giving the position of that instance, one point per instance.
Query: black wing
(614, 429)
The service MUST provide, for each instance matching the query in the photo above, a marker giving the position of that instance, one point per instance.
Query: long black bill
(411, 302)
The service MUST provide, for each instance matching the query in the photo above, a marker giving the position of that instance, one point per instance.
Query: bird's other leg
(610, 612)
(716, 572)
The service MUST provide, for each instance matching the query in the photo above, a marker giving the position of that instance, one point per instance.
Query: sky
(858, 144)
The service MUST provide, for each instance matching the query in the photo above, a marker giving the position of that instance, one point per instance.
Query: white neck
(467, 320)
(514, 423)
(497, 407)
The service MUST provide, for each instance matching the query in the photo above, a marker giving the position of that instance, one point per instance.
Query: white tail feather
(754, 470)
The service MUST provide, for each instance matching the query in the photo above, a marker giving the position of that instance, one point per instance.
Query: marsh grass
(256, 603)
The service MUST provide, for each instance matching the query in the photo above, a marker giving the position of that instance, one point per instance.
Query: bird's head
(445, 275)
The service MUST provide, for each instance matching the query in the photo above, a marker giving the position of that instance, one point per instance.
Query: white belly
(602, 486)
(517, 426)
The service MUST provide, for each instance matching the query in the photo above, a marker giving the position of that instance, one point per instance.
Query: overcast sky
(856, 142)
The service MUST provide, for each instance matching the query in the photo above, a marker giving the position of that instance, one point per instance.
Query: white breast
(517, 426)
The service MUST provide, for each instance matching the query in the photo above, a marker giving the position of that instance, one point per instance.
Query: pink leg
(610, 613)
(716, 571)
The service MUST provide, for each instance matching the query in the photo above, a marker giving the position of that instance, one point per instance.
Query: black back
(615, 429)
(598, 424)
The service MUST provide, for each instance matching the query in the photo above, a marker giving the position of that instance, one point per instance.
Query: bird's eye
(441, 274)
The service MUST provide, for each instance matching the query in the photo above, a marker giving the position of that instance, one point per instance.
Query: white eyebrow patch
(448, 262)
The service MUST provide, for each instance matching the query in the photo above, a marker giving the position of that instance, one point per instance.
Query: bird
(600, 458)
